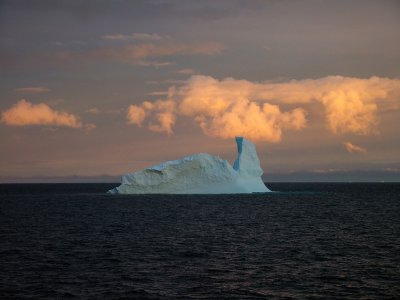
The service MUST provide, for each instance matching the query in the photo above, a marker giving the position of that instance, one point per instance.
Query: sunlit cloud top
(229, 107)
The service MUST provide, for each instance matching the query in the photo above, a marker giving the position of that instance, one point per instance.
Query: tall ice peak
(247, 162)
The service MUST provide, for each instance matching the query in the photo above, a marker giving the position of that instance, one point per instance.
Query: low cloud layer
(24, 113)
(143, 53)
(229, 107)
(351, 148)
(134, 36)
(186, 71)
(32, 90)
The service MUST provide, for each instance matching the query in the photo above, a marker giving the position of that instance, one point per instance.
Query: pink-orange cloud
(352, 148)
(351, 104)
(24, 113)
(136, 114)
(229, 107)
(161, 114)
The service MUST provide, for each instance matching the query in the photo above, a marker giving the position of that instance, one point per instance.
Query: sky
(91, 90)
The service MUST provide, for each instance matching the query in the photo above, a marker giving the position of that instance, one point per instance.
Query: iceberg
(200, 173)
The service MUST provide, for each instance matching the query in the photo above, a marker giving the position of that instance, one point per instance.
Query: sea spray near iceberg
(199, 174)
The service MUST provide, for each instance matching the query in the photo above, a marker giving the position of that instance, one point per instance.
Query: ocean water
(309, 241)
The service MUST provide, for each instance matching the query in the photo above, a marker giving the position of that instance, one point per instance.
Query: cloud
(217, 112)
(32, 90)
(161, 111)
(186, 71)
(143, 51)
(97, 111)
(89, 127)
(143, 54)
(135, 36)
(155, 64)
(166, 81)
(351, 148)
(93, 110)
(224, 111)
(158, 93)
(25, 113)
(136, 114)
(228, 107)
(350, 104)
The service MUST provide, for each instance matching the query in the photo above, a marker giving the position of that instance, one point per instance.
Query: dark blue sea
(308, 241)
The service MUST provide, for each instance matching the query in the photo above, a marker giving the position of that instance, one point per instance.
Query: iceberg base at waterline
(199, 174)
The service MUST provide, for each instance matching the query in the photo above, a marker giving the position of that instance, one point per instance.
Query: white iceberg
(199, 174)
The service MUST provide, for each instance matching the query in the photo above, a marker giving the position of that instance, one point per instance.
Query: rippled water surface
(313, 241)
